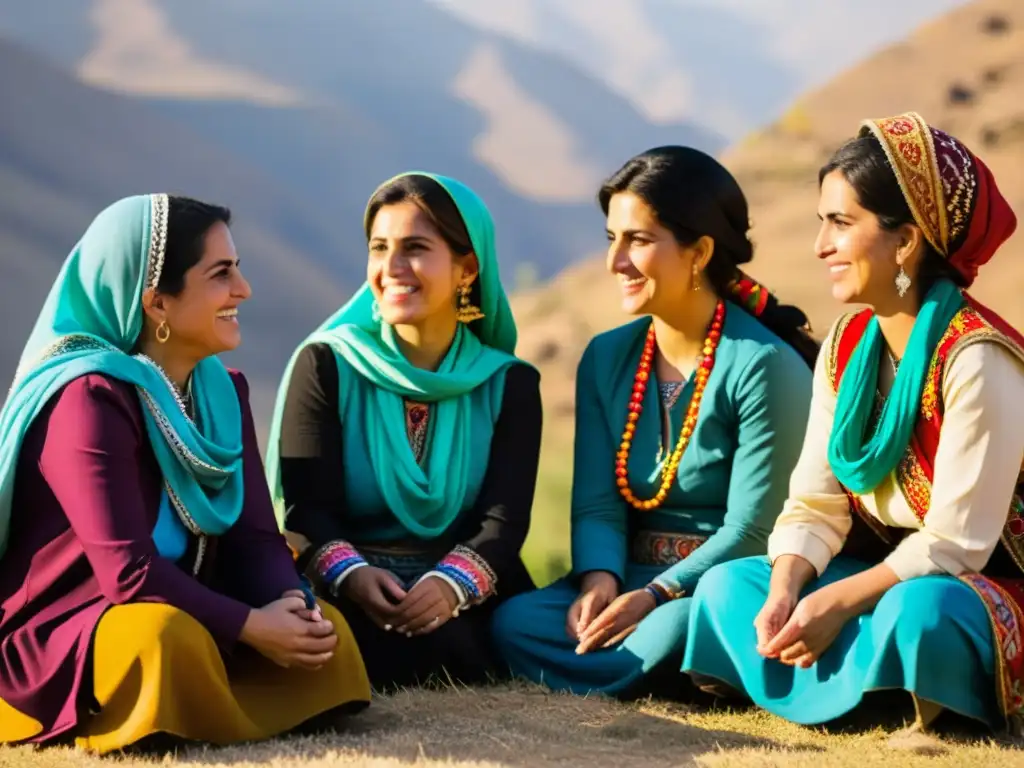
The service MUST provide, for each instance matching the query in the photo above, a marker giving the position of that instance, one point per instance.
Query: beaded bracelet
(660, 593)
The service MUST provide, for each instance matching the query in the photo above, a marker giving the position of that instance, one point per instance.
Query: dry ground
(518, 726)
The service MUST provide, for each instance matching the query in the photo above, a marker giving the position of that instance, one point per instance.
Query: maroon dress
(86, 499)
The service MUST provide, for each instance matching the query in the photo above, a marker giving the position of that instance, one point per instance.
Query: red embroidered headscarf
(952, 195)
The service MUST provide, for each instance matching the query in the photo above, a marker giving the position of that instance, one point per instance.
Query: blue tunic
(730, 486)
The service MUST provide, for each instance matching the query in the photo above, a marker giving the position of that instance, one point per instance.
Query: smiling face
(862, 257)
(203, 317)
(412, 271)
(653, 269)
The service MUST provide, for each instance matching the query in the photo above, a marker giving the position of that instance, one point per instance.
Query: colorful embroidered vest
(1002, 587)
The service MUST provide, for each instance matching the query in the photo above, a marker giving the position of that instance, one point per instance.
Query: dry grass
(525, 726)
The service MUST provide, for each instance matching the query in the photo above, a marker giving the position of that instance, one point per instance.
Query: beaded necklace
(643, 373)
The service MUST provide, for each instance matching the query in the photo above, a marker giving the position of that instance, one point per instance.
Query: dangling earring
(375, 311)
(163, 332)
(466, 312)
(695, 283)
(902, 282)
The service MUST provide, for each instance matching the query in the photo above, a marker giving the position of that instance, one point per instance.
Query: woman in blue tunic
(896, 561)
(688, 423)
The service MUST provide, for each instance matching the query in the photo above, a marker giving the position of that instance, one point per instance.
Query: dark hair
(188, 221)
(865, 167)
(434, 200)
(693, 195)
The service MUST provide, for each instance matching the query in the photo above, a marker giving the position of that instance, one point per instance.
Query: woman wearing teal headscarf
(144, 585)
(405, 440)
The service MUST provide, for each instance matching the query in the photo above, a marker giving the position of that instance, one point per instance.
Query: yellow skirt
(157, 670)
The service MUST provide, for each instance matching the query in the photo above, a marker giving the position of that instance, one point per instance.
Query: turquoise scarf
(859, 460)
(90, 322)
(427, 499)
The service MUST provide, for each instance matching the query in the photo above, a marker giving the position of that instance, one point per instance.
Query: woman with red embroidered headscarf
(897, 560)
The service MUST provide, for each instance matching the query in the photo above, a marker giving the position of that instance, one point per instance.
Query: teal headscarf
(90, 323)
(862, 459)
(427, 499)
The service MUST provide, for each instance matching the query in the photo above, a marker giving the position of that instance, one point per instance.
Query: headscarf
(956, 203)
(424, 499)
(90, 323)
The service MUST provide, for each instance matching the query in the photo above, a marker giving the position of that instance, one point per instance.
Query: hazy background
(292, 112)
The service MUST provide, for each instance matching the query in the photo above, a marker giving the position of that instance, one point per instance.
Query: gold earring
(466, 312)
(163, 332)
(695, 284)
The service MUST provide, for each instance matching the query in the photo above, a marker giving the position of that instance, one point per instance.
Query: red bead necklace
(636, 405)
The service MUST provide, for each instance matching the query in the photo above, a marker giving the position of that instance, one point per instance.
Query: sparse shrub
(993, 75)
(995, 24)
(989, 137)
(548, 351)
(960, 94)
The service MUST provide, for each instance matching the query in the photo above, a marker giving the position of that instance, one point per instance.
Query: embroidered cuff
(333, 562)
(468, 573)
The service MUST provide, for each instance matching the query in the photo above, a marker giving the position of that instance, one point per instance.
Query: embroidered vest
(915, 472)
(1000, 587)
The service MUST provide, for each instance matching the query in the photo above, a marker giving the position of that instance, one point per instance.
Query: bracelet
(661, 593)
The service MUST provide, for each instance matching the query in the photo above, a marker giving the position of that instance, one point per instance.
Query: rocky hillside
(963, 72)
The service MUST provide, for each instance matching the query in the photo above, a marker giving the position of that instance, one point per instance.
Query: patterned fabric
(670, 391)
(471, 572)
(333, 562)
(665, 549)
(951, 193)
(1003, 598)
(749, 294)
(417, 422)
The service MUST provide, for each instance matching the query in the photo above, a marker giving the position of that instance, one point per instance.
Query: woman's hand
(310, 614)
(818, 619)
(428, 606)
(617, 621)
(280, 632)
(597, 591)
(815, 623)
(772, 617)
(377, 592)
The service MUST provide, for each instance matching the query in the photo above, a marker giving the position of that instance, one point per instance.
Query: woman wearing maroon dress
(144, 585)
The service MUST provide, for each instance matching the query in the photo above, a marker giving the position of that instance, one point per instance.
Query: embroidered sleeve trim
(333, 562)
(468, 573)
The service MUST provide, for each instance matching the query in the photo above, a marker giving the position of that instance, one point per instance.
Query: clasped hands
(424, 608)
(290, 634)
(600, 617)
(798, 631)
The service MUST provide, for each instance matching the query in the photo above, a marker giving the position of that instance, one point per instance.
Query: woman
(409, 437)
(144, 586)
(688, 423)
(895, 563)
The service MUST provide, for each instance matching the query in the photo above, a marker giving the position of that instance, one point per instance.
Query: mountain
(329, 99)
(68, 150)
(963, 72)
(728, 65)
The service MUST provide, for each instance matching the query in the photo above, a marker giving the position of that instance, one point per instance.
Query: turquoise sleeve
(598, 511)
